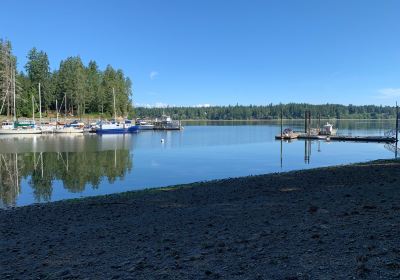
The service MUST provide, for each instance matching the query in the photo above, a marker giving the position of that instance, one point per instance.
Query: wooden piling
(319, 122)
(397, 123)
(305, 121)
(281, 121)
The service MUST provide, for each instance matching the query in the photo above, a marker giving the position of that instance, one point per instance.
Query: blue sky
(191, 52)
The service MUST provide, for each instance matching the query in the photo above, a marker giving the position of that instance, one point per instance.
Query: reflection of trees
(74, 170)
(9, 178)
(88, 168)
(41, 177)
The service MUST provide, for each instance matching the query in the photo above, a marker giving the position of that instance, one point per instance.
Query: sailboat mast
(40, 107)
(115, 112)
(65, 107)
(33, 108)
(15, 113)
(57, 110)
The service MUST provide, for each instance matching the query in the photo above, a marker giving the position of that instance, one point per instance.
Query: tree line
(74, 88)
(271, 111)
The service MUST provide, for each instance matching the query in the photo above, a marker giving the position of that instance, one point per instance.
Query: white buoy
(162, 140)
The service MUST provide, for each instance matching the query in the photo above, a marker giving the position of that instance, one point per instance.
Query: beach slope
(328, 223)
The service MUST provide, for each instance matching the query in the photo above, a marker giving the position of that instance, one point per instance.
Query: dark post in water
(397, 129)
(281, 121)
(305, 121)
(397, 123)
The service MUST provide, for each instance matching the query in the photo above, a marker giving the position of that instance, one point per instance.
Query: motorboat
(19, 127)
(328, 129)
(116, 127)
(74, 127)
(144, 125)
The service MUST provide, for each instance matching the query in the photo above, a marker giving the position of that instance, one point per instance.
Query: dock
(328, 133)
(286, 137)
(381, 139)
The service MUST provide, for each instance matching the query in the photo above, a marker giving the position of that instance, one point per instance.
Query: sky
(214, 52)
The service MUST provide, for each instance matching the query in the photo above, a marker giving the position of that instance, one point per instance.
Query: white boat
(166, 123)
(74, 127)
(47, 128)
(115, 126)
(287, 133)
(20, 131)
(143, 125)
(19, 127)
(328, 129)
(8, 127)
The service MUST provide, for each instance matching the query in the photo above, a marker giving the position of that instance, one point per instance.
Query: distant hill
(253, 112)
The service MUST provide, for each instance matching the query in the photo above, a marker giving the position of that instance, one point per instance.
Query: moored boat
(20, 126)
(166, 123)
(115, 127)
(144, 125)
(328, 129)
(23, 127)
(74, 127)
(287, 133)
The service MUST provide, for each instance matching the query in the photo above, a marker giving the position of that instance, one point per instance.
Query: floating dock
(363, 138)
(382, 139)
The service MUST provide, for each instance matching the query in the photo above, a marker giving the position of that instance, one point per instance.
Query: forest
(271, 111)
(76, 88)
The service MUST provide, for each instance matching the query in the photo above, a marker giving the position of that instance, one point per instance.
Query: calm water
(53, 167)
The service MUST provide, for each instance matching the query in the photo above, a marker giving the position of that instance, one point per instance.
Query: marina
(55, 166)
(328, 132)
(118, 125)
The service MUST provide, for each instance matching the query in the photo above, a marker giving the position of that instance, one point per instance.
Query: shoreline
(330, 222)
(259, 120)
(92, 119)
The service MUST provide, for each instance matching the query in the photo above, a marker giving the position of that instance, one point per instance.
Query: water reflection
(75, 161)
(42, 168)
(308, 146)
(394, 148)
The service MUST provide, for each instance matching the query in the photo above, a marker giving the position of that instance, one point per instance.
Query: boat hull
(69, 130)
(19, 131)
(146, 127)
(131, 129)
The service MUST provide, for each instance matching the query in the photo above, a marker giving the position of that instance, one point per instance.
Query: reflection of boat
(328, 129)
(287, 133)
(63, 142)
(69, 129)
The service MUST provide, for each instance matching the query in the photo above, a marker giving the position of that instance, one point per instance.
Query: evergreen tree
(38, 70)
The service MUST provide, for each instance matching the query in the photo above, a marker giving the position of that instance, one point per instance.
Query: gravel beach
(329, 223)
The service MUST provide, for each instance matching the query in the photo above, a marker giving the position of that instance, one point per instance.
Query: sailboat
(19, 127)
(114, 126)
(74, 127)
